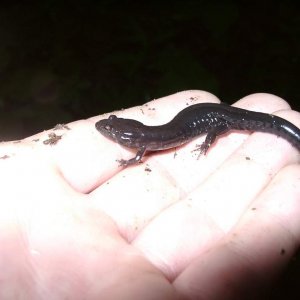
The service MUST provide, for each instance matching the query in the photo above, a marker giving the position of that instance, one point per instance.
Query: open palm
(73, 224)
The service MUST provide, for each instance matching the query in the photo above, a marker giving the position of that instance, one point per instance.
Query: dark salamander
(211, 118)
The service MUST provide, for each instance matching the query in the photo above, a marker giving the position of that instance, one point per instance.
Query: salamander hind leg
(211, 137)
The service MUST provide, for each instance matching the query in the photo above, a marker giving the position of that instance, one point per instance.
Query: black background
(65, 60)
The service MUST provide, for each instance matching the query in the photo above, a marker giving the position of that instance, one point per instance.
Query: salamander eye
(108, 127)
(112, 117)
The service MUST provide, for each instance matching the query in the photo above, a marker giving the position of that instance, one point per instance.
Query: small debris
(193, 98)
(147, 169)
(53, 139)
(282, 251)
(4, 156)
(175, 153)
(61, 126)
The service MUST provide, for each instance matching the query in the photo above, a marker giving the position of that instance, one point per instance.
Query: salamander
(210, 118)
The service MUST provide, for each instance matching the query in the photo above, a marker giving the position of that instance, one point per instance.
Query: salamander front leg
(135, 160)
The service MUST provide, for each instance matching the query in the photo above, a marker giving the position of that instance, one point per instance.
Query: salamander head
(126, 132)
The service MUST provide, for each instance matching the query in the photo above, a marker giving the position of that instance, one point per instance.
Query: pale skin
(74, 225)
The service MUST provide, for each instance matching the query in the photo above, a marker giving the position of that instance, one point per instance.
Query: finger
(71, 150)
(189, 171)
(256, 250)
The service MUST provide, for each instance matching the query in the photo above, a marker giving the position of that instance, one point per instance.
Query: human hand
(74, 224)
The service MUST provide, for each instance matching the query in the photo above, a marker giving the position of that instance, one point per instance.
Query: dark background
(65, 60)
